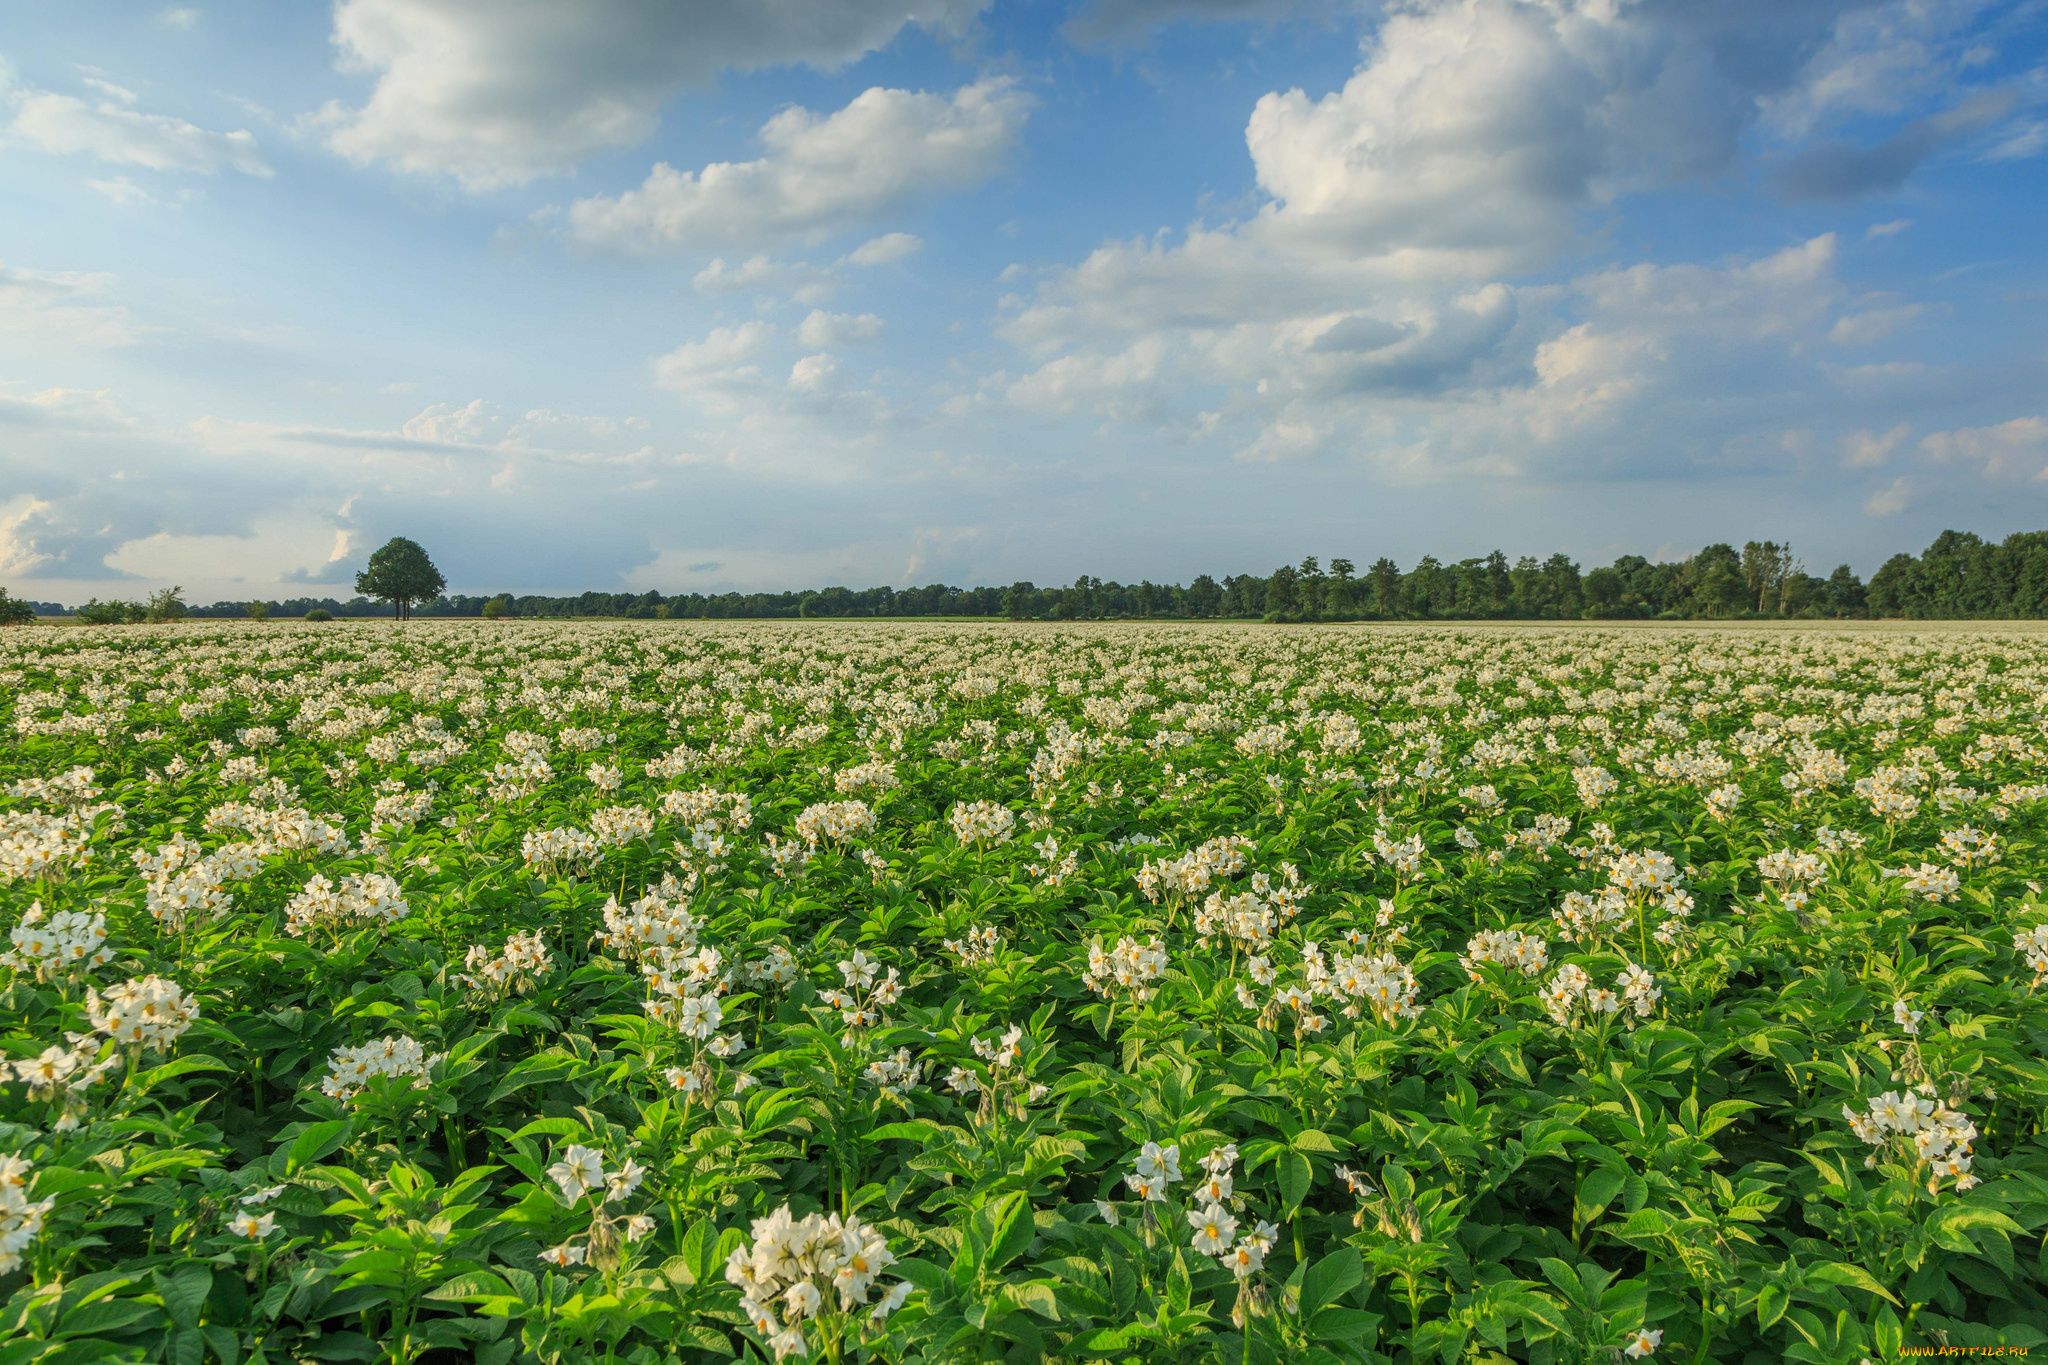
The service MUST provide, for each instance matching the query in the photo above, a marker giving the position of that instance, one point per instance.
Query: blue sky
(773, 293)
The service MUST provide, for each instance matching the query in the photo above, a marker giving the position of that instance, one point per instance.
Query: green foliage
(399, 572)
(913, 879)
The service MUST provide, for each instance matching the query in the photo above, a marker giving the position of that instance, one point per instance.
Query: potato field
(566, 993)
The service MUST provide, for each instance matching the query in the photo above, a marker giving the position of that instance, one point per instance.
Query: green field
(519, 991)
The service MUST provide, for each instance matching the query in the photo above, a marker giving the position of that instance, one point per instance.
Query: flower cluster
(1929, 881)
(558, 852)
(369, 899)
(149, 1013)
(615, 827)
(1216, 1231)
(352, 1068)
(834, 822)
(63, 1074)
(1571, 998)
(63, 944)
(2032, 946)
(867, 991)
(1196, 871)
(578, 1173)
(514, 971)
(1918, 1128)
(1130, 967)
(982, 823)
(21, 1220)
(801, 1271)
(977, 947)
(879, 776)
(897, 1074)
(1511, 948)
(1152, 1170)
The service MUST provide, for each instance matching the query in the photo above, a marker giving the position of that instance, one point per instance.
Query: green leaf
(319, 1140)
(477, 1284)
(700, 1245)
(1334, 1275)
(1297, 1177)
(1010, 1229)
(105, 1316)
(1037, 1296)
(184, 1066)
(184, 1292)
(1850, 1274)
(1597, 1189)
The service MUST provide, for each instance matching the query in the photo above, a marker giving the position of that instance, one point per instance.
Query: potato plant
(622, 993)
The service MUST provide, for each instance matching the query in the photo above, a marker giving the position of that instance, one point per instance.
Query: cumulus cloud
(882, 152)
(1476, 129)
(885, 249)
(109, 130)
(1890, 500)
(722, 357)
(822, 329)
(20, 521)
(1873, 324)
(2014, 449)
(1385, 299)
(805, 282)
(1869, 449)
(502, 92)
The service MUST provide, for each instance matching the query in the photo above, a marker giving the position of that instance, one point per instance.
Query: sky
(701, 295)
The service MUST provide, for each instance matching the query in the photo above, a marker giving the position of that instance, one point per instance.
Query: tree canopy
(401, 573)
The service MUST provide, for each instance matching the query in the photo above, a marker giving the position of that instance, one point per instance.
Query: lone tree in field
(400, 573)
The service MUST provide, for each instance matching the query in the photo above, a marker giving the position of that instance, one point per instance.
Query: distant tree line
(1960, 575)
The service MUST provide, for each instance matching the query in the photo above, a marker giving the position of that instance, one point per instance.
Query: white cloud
(882, 250)
(1873, 325)
(1475, 130)
(501, 92)
(63, 411)
(1869, 449)
(68, 306)
(813, 374)
(450, 424)
(2018, 448)
(805, 282)
(19, 549)
(1373, 305)
(1890, 500)
(722, 357)
(179, 17)
(111, 90)
(822, 329)
(123, 192)
(882, 152)
(1890, 229)
(753, 273)
(111, 132)
(2024, 139)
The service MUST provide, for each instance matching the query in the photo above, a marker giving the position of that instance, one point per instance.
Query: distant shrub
(319, 614)
(98, 613)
